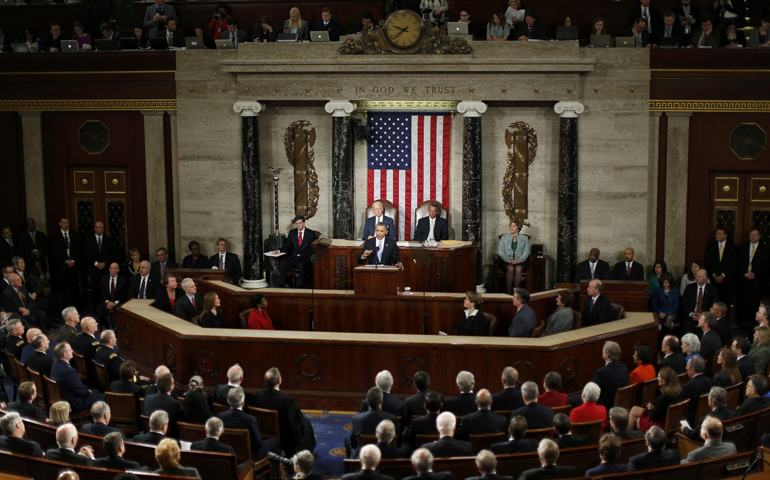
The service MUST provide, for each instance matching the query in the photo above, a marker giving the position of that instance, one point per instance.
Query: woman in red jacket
(259, 319)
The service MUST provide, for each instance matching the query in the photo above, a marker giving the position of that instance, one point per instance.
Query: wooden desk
(451, 269)
(197, 273)
(632, 295)
(378, 281)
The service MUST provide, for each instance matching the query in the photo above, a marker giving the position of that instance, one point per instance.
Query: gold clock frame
(415, 47)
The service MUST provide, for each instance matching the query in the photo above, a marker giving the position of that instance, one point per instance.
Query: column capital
(340, 108)
(30, 113)
(249, 108)
(568, 109)
(471, 108)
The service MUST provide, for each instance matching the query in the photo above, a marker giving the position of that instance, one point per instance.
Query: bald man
(628, 269)
(86, 344)
(143, 285)
(482, 421)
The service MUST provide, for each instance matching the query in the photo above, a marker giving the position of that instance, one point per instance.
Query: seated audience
(128, 381)
(167, 454)
(656, 456)
(472, 321)
(366, 423)
(483, 421)
(537, 416)
(173, 37)
(211, 443)
(447, 445)
(295, 24)
(190, 304)
(107, 356)
(259, 319)
(672, 357)
(730, 374)
(210, 44)
(385, 433)
(196, 407)
(234, 379)
(236, 35)
(731, 37)
(563, 436)
(628, 269)
(144, 41)
(59, 414)
(100, 427)
(513, 252)
(237, 418)
(425, 425)
(328, 23)
(594, 267)
(142, 285)
(370, 458)
(562, 319)
(13, 441)
(465, 17)
(612, 375)
(33, 41)
(108, 34)
(551, 396)
(164, 401)
(710, 343)
(530, 29)
(509, 398)
(433, 227)
(619, 425)
(711, 432)
(691, 347)
(498, 31)
(525, 319)
(670, 29)
(699, 384)
(357, 27)
(265, 31)
(665, 302)
(212, 316)
(166, 297)
(609, 451)
(195, 259)
(415, 405)
(760, 349)
(741, 346)
(422, 462)
(72, 388)
(158, 429)
(53, 42)
(39, 360)
(755, 399)
(643, 418)
(759, 37)
(67, 440)
(26, 406)
(464, 403)
(717, 400)
(487, 465)
(597, 308)
(516, 442)
(548, 452)
(598, 27)
(85, 42)
(644, 370)
(296, 430)
(514, 14)
(589, 411)
(114, 449)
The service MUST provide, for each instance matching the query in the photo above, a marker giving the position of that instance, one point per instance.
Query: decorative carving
(569, 368)
(409, 367)
(442, 274)
(340, 272)
(527, 370)
(127, 337)
(80, 105)
(169, 356)
(434, 41)
(305, 177)
(205, 363)
(94, 137)
(704, 106)
(518, 167)
(309, 368)
(402, 105)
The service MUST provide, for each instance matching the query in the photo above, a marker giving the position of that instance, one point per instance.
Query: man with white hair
(158, 429)
(536, 415)
(447, 445)
(717, 401)
(422, 461)
(378, 217)
(72, 388)
(143, 285)
(711, 432)
(67, 440)
(86, 344)
(71, 319)
(385, 433)
(483, 421)
(234, 379)
(465, 403)
(191, 303)
(370, 458)
(487, 465)
(366, 423)
(390, 404)
(590, 411)
(548, 452)
(13, 441)
(107, 356)
(100, 427)
(237, 418)
(211, 443)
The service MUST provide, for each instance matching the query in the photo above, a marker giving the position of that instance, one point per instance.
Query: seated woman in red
(645, 370)
(259, 318)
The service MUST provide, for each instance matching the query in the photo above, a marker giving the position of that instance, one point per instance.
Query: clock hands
(403, 30)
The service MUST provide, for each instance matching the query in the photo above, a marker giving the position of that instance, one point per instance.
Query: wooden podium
(382, 280)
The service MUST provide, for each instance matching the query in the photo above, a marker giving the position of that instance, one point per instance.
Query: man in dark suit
(113, 291)
(158, 429)
(648, 12)
(370, 458)
(415, 405)
(107, 356)
(329, 24)
(17, 299)
(487, 465)
(72, 388)
(657, 456)
(298, 248)
(525, 319)
(447, 445)
(99, 253)
(755, 398)
(15, 341)
(422, 461)
(718, 403)
(425, 425)
(611, 376)
(211, 443)
(509, 398)
(516, 443)
(85, 344)
(237, 418)
(380, 250)
(234, 379)
(366, 423)
(672, 357)
(640, 34)
(67, 440)
(159, 266)
(710, 343)
(39, 360)
(548, 452)
(530, 29)
(699, 384)
(114, 449)
(564, 437)
(7, 246)
(753, 270)
(26, 405)
(464, 403)
(164, 401)
(432, 227)
(741, 346)
(619, 425)
(358, 26)
(628, 269)
(597, 308)
(13, 441)
(385, 433)
(142, 285)
(722, 327)
(536, 415)
(190, 304)
(109, 34)
(296, 430)
(697, 299)
(66, 249)
(483, 421)
(174, 37)
(689, 18)
(378, 217)
(100, 427)
(592, 268)
(720, 260)
(670, 28)
(233, 33)
(227, 260)
(33, 245)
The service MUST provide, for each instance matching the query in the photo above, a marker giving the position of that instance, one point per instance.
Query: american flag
(408, 158)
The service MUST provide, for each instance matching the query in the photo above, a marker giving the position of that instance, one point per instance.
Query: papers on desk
(441, 333)
(403, 244)
(271, 254)
(380, 266)
(451, 242)
(185, 445)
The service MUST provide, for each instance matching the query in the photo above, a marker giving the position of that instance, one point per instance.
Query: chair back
(565, 409)
(492, 322)
(484, 441)
(674, 415)
(238, 438)
(42, 395)
(423, 438)
(123, 410)
(618, 312)
(503, 413)
(54, 394)
(219, 408)
(422, 211)
(734, 395)
(578, 319)
(145, 421)
(372, 439)
(388, 208)
(683, 378)
(647, 391)
(102, 376)
(14, 373)
(592, 429)
(702, 407)
(191, 432)
(80, 366)
(18, 371)
(267, 421)
(624, 397)
(244, 318)
(538, 330)
(539, 433)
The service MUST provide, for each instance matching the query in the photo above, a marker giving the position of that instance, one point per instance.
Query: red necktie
(628, 268)
(300, 239)
(192, 300)
(21, 297)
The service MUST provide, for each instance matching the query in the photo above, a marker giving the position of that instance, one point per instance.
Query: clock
(748, 141)
(94, 137)
(404, 29)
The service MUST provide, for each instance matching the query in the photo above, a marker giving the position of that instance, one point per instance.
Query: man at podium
(379, 250)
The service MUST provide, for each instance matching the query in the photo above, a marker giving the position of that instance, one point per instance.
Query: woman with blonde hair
(760, 349)
(59, 413)
(295, 24)
(167, 455)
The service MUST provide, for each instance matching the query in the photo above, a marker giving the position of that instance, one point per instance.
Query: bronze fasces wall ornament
(299, 140)
(521, 140)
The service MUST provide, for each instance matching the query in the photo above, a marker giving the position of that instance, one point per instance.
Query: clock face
(748, 141)
(403, 29)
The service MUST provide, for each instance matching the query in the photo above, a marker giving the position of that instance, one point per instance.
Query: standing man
(33, 245)
(159, 266)
(114, 290)
(696, 299)
(66, 250)
(99, 253)
(628, 269)
(721, 261)
(329, 24)
(157, 16)
(592, 268)
(525, 319)
(298, 248)
(597, 308)
(380, 250)
(379, 217)
(753, 271)
(227, 260)
(7, 246)
(432, 227)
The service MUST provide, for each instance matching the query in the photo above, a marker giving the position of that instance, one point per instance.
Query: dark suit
(92, 255)
(135, 284)
(610, 377)
(753, 404)
(183, 307)
(62, 276)
(27, 410)
(415, 405)
(728, 266)
(710, 344)
(627, 434)
(490, 476)
(693, 389)
(523, 322)
(240, 36)
(572, 441)
(461, 405)
(724, 330)
(720, 413)
(537, 416)
(449, 447)
(262, 34)
(172, 406)
(481, 422)
(553, 471)
(7, 251)
(676, 361)
(111, 360)
(389, 451)
(515, 446)
(421, 426)
(595, 313)
(100, 430)
(117, 463)
(389, 252)
(232, 264)
(751, 291)
(86, 345)
(235, 418)
(537, 33)
(648, 460)
(296, 430)
(72, 388)
(676, 32)
(655, 19)
(177, 39)
(120, 295)
(26, 246)
(221, 391)
(14, 345)
(162, 301)
(366, 474)
(296, 256)
(432, 476)
(21, 446)
(365, 424)
(67, 456)
(155, 267)
(619, 272)
(440, 229)
(371, 223)
(508, 398)
(690, 303)
(209, 444)
(476, 324)
(746, 366)
(150, 438)
(333, 27)
(12, 303)
(42, 363)
(601, 271)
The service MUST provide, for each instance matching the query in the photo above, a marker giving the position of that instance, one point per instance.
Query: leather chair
(388, 208)
(492, 324)
(422, 211)
(123, 409)
(499, 275)
(578, 322)
(244, 318)
(538, 330)
(618, 312)
(624, 396)
(101, 375)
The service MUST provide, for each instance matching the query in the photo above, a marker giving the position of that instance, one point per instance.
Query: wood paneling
(14, 210)
(17, 17)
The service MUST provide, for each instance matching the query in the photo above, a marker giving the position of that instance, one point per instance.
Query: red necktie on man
(21, 297)
(300, 239)
(628, 268)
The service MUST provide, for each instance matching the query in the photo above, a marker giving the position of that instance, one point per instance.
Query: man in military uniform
(85, 344)
(69, 331)
(15, 341)
(107, 356)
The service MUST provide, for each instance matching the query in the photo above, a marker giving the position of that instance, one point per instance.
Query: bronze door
(739, 202)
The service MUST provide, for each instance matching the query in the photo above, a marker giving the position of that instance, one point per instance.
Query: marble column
(180, 248)
(677, 168)
(342, 168)
(34, 178)
(155, 179)
(472, 188)
(566, 255)
(252, 200)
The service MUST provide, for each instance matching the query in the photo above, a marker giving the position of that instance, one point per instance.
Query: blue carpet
(331, 429)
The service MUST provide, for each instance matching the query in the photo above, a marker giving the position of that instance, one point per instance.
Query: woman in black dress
(473, 321)
(212, 316)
